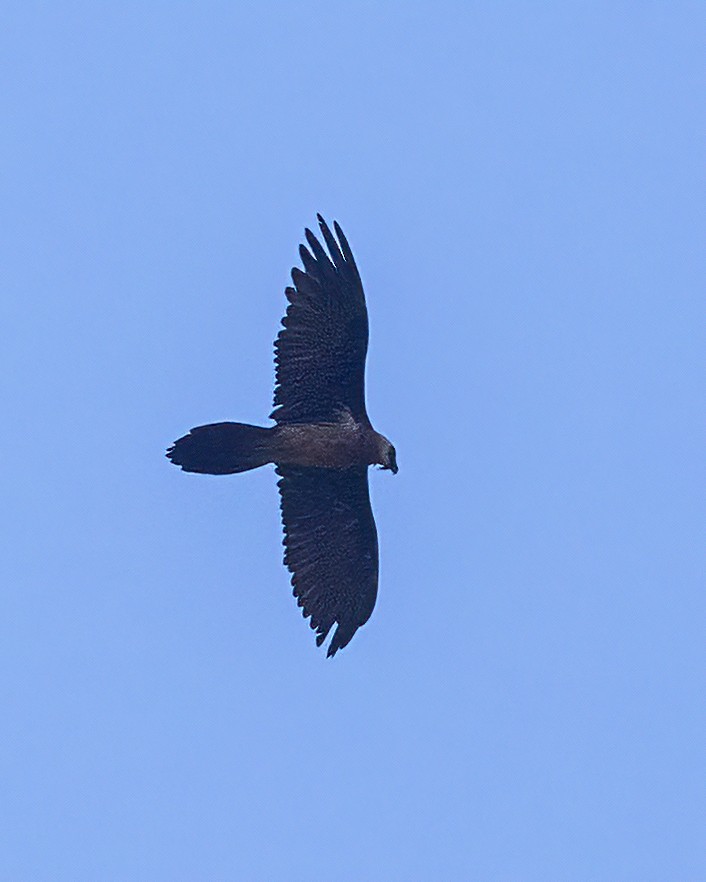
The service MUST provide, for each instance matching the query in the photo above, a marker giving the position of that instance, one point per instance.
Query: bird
(321, 445)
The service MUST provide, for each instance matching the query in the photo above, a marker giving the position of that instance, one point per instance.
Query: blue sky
(522, 185)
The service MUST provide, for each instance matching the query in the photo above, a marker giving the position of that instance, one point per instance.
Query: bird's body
(322, 443)
(328, 445)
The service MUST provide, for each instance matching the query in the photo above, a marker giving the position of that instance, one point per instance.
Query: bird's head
(388, 455)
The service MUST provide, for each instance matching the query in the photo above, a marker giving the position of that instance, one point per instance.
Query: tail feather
(222, 449)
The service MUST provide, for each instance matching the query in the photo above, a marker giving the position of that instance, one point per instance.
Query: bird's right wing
(331, 547)
(320, 353)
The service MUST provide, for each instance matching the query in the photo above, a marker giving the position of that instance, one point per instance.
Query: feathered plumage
(322, 443)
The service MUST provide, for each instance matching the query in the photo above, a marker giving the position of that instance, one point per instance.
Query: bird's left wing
(331, 547)
(320, 352)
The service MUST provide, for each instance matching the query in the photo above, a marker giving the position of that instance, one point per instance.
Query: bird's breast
(324, 445)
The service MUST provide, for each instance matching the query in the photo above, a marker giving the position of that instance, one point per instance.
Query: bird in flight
(321, 444)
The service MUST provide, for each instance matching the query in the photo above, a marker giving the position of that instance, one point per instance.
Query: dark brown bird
(322, 443)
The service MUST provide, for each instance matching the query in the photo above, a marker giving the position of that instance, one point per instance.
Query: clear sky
(522, 186)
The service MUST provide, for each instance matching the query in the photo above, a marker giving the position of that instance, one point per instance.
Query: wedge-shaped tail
(222, 449)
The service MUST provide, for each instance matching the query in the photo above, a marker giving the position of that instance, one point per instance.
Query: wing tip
(342, 636)
(324, 227)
